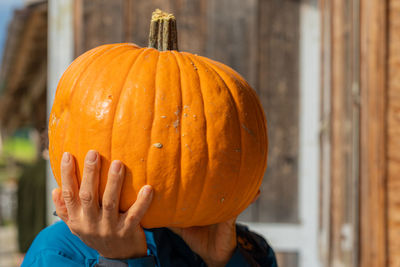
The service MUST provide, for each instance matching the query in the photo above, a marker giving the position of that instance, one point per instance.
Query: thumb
(136, 212)
(58, 200)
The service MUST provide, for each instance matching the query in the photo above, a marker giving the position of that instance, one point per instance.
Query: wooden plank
(232, 36)
(192, 23)
(373, 232)
(128, 21)
(344, 134)
(98, 22)
(340, 134)
(393, 133)
(278, 80)
(325, 142)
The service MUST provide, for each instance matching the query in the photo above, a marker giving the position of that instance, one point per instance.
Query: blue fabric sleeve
(50, 258)
(148, 261)
(56, 246)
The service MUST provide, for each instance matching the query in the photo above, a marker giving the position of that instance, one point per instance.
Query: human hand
(113, 234)
(215, 244)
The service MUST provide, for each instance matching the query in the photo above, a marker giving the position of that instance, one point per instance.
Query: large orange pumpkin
(187, 125)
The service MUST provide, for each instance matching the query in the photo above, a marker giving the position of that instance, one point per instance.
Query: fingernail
(116, 166)
(91, 156)
(66, 157)
(146, 190)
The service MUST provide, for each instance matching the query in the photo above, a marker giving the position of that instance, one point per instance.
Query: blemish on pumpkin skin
(158, 145)
(222, 200)
(176, 124)
(54, 120)
(194, 66)
(187, 146)
(109, 96)
(102, 108)
(163, 117)
(247, 129)
(237, 150)
(185, 114)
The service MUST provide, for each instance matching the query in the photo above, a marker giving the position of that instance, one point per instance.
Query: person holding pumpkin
(94, 235)
(190, 127)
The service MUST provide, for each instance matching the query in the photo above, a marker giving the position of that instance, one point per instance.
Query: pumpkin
(187, 125)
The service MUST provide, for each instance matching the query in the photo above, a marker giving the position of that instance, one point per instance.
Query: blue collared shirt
(57, 246)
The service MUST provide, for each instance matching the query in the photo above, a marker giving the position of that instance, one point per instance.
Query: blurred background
(325, 72)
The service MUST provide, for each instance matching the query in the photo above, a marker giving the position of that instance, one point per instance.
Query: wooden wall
(343, 132)
(393, 134)
(258, 38)
(375, 90)
(373, 133)
(23, 70)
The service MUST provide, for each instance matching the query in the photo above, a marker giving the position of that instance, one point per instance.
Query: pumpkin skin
(187, 125)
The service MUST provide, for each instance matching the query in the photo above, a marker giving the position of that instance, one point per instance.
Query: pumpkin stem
(163, 34)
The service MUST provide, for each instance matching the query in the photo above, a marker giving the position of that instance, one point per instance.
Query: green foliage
(20, 149)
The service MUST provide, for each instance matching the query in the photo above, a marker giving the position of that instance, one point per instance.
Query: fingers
(88, 192)
(59, 203)
(136, 212)
(69, 185)
(112, 191)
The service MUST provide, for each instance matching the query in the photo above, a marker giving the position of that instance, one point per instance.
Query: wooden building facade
(361, 143)
(331, 191)
(327, 74)
(23, 72)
